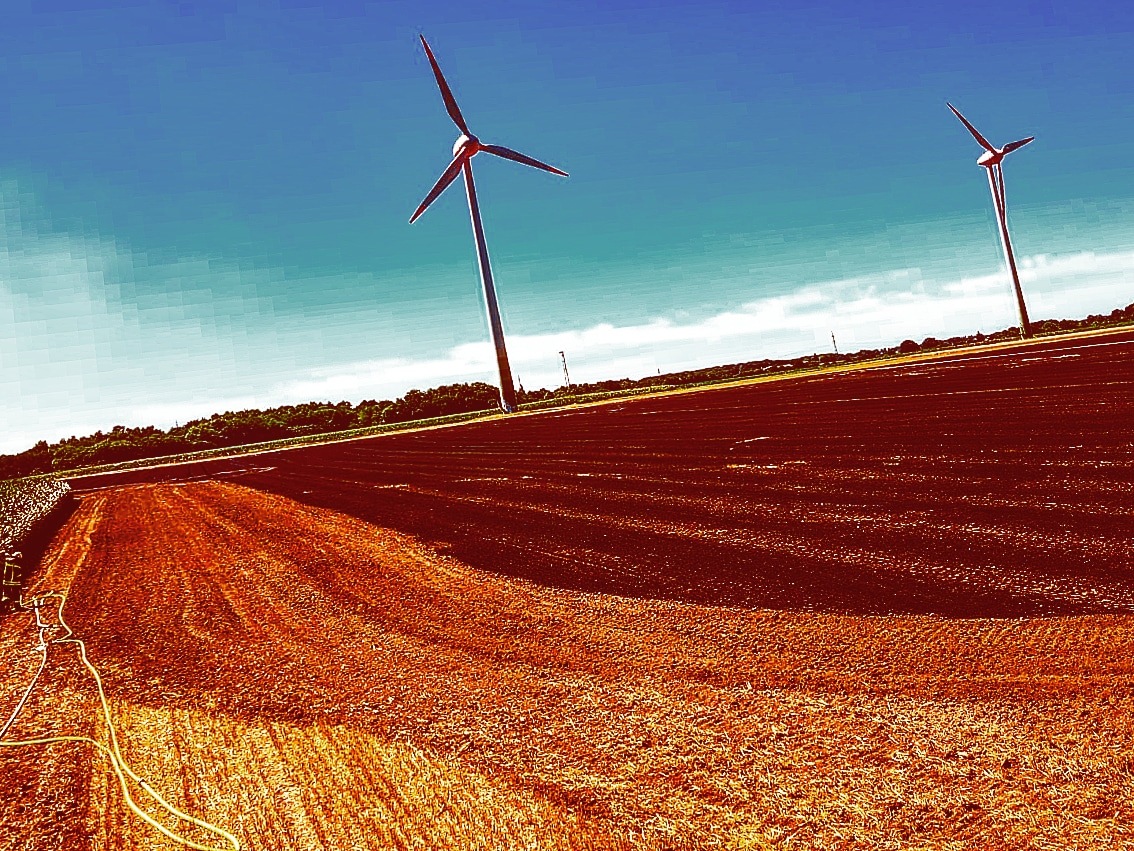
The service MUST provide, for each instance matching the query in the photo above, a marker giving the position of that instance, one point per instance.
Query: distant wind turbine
(991, 160)
(465, 148)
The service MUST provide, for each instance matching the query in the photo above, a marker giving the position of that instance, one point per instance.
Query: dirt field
(887, 609)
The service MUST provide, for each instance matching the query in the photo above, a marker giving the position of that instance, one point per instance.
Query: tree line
(236, 428)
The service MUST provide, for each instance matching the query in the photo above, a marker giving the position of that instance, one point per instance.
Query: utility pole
(566, 375)
(833, 343)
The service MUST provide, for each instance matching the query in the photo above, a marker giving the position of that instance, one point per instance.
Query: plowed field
(887, 609)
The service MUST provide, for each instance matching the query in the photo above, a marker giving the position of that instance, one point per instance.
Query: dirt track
(312, 680)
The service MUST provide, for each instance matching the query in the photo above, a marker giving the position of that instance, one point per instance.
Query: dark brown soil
(991, 485)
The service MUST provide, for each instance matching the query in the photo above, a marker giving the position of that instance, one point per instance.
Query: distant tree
(908, 347)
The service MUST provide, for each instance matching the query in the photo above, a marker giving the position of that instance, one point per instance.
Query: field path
(310, 680)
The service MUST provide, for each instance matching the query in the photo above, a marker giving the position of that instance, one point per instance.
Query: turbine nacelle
(466, 145)
(990, 158)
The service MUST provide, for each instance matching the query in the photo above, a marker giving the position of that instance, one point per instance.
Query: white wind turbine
(991, 160)
(465, 148)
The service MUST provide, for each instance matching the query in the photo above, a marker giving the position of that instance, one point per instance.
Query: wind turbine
(991, 159)
(465, 148)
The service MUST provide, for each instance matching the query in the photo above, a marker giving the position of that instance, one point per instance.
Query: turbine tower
(991, 159)
(465, 148)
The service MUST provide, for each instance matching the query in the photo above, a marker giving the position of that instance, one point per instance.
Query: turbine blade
(984, 143)
(446, 95)
(447, 177)
(516, 156)
(1015, 146)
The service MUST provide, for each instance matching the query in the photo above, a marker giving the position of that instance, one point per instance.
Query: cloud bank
(96, 335)
(862, 312)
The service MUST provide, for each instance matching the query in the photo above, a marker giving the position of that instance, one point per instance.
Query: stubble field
(883, 609)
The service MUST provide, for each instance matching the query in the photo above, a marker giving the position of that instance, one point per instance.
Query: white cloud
(867, 311)
(84, 345)
(468, 361)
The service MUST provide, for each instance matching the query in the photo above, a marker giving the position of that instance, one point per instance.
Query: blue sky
(203, 206)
